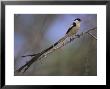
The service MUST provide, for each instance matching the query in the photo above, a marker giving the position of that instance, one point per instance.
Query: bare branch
(51, 49)
(92, 35)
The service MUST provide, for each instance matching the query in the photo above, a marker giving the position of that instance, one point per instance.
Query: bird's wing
(74, 24)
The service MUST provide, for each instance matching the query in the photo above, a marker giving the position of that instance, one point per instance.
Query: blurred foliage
(35, 32)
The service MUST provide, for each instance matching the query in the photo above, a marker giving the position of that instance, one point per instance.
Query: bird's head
(78, 19)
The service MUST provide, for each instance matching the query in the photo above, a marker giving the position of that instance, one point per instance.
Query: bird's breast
(73, 31)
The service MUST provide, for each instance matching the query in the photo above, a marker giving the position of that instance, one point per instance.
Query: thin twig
(92, 35)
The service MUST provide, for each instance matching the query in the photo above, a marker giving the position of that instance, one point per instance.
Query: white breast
(77, 24)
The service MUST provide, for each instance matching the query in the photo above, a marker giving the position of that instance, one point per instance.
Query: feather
(74, 24)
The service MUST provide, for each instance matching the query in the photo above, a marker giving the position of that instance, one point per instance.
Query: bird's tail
(36, 56)
(27, 65)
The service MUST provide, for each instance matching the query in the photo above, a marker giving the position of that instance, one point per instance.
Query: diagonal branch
(51, 49)
(92, 35)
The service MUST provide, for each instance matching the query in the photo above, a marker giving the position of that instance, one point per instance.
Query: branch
(92, 35)
(44, 54)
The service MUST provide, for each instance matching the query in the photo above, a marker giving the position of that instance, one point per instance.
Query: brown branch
(44, 53)
(92, 35)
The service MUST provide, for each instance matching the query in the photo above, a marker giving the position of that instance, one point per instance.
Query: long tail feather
(36, 56)
(27, 65)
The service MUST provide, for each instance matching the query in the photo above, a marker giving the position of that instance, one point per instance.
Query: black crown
(77, 19)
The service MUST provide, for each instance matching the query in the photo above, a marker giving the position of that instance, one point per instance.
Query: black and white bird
(72, 30)
(70, 33)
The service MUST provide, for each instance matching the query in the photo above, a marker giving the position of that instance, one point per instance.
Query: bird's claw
(77, 35)
(70, 39)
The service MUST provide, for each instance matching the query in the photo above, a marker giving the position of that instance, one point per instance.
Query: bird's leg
(77, 35)
(71, 38)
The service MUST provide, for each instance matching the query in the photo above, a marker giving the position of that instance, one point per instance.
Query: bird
(73, 29)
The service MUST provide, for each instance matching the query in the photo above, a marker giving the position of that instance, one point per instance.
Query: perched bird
(72, 30)
(70, 33)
